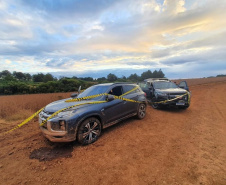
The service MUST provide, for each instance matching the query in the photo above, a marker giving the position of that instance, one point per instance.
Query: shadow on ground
(47, 153)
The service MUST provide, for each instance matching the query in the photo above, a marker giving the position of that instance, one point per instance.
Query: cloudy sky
(185, 38)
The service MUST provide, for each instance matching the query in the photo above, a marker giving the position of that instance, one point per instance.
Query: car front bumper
(54, 135)
(176, 103)
(183, 101)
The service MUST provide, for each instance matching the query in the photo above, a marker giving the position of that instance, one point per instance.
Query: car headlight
(65, 113)
(58, 126)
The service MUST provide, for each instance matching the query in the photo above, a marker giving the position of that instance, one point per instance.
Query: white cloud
(174, 6)
(57, 35)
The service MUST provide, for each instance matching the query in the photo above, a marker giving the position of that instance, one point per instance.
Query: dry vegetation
(19, 107)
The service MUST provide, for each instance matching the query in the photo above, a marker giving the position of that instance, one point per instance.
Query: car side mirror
(74, 95)
(110, 97)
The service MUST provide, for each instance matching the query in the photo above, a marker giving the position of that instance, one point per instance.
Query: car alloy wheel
(89, 131)
(141, 111)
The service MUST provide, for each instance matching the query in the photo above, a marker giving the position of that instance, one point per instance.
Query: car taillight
(145, 94)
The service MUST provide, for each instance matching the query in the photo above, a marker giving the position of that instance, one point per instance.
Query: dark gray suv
(163, 92)
(85, 122)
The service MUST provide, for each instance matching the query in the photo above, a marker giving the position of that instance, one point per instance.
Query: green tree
(19, 75)
(155, 74)
(146, 74)
(38, 77)
(5, 73)
(111, 77)
(48, 77)
(134, 77)
(28, 76)
(90, 79)
(221, 75)
(161, 74)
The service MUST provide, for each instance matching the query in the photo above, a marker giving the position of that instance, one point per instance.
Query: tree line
(25, 83)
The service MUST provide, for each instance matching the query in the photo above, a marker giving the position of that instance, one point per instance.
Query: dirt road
(167, 147)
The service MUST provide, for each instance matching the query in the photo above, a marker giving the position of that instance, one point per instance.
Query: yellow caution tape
(25, 121)
(189, 98)
(86, 98)
(61, 110)
(125, 99)
(73, 100)
(97, 95)
(130, 91)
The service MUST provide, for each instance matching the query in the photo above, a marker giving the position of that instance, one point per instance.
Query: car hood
(171, 90)
(61, 104)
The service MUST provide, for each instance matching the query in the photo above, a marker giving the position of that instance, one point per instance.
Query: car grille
(44, 115)
(174, 95)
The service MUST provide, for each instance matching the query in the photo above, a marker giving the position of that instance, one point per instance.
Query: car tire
(89, 131)
(141, 112)
(153, 104)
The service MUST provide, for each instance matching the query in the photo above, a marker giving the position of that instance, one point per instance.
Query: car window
(164, 85)
(183, 84)
(127, 88)
(93, 90)
(117, 91)
(144, 85)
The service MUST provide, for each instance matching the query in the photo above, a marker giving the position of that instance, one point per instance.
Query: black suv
(85, 122)
(162, 92)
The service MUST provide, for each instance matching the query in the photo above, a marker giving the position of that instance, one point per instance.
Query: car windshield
(165, 85)
(93, 91)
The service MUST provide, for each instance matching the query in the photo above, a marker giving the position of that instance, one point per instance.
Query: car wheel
(89, 131)
(141, 111)
(153, 104)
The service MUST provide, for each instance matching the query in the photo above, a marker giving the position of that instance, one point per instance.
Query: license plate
(180, 103)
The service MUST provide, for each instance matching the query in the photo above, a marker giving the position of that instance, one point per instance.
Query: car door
(183, 85)
(114, 109)
(130, 107)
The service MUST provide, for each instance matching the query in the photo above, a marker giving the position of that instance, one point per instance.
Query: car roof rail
(115, 83)
(123, 83)
(156, 79)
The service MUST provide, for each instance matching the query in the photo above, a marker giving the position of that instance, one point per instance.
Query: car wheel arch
(89, 116)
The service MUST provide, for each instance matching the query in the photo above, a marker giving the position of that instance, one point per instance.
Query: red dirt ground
(167, 147)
